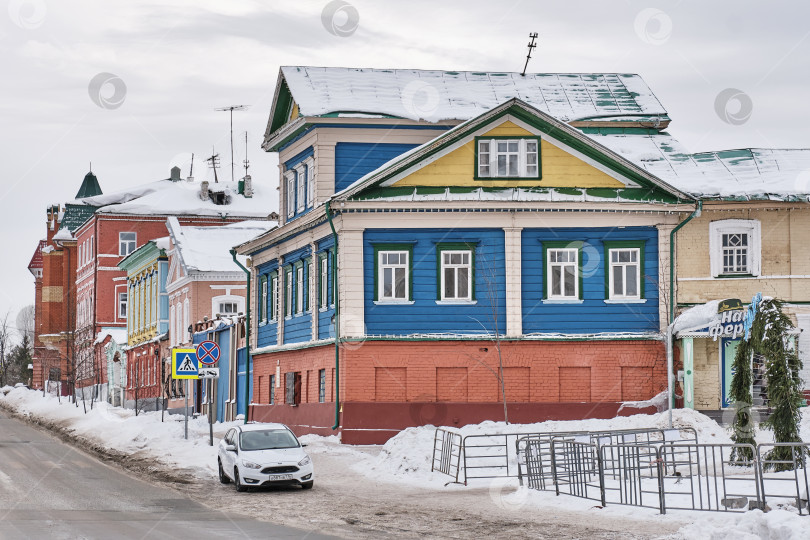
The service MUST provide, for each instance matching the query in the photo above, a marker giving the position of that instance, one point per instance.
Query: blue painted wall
(267, 332)
(223, 339)
(593, 314)
(353, 160)
(241, 358)
(425, 315)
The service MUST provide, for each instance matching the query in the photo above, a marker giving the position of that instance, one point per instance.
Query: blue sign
(184, 364)
(208, 353)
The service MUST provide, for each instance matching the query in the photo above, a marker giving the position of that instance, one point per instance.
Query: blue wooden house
(451, 239)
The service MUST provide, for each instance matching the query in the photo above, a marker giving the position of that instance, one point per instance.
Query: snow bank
(407, 456)
(697, 317)
(754, 525)
(114, 428)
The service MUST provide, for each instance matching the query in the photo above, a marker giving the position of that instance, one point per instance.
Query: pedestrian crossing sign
(184, 364)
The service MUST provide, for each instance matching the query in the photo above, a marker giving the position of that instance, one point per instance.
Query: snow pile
(407, 456)
(697, 317)
(754, 525)
(659, 402)
(6, 389)
(117, 429)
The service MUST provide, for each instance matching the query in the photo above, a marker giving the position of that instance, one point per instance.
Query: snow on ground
(403, 465)
(120, 430)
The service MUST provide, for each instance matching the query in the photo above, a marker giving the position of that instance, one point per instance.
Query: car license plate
(280, 477)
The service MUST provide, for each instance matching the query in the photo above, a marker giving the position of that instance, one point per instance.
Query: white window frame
(383, 266)
(522, 158)
(273, 308)
(173, 325)
(309, 163)
(324, 299)
(229, 298)
(752, 228)
(122, 303)
(299, 289)
(550, 275)
(186, 316)
(290, 193)
(264, 300)
(623, 265)
(310, 284)
(456, 266)
(124, 245)
(288, 293)
(301, 190)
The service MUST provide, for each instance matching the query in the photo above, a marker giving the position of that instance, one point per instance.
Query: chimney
(248, 186)
(204, 190)
(175, 174)
(190, 179)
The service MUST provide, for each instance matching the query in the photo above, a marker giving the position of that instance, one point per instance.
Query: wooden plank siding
(355, 159)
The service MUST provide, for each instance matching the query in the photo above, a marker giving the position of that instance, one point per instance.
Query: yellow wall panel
(558, 167)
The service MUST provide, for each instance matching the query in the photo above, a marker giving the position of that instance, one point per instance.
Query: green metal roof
(90, 187)
(76, 215)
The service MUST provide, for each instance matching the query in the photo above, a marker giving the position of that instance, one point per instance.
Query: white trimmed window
(563, 274)
(173, 325)
(228, 305)
(263, 307)
(274, 297)
(302, 187)
(290, 194)
(393, 276)
(324, 281)
(299, 289)
(310, 172)
(310, 284)
(186, 316)
(508, 158)
(288, 293)
(122, 305)
(456, 275)
(127, 242)
(625, 274)
(734, 247)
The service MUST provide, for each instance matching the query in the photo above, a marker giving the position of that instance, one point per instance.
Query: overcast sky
(181, 59)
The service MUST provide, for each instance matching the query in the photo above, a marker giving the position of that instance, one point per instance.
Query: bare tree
(5, 348)
(25, 322)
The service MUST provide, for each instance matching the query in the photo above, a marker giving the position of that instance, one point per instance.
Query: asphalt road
(50, 490)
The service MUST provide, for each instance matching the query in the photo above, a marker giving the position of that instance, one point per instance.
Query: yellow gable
(558, 167)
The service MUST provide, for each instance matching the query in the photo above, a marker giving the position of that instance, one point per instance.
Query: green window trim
(625, 244)
(562, 244)
(455, 246)
(299, 307)
(539, 176)
(392, 247)
(263, 298)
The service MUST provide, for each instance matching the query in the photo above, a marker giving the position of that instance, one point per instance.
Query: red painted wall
(387, 386)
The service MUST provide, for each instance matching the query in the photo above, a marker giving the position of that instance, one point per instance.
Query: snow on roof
(416, 194)
(696, 317)
(207, 249)
(750, 173)
(451, 95)
(165, 197)
(63, 234)
(119, 335)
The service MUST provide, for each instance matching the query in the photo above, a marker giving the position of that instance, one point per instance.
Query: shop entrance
(759, 387)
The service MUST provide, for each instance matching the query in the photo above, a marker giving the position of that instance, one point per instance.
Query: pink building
(204, 283)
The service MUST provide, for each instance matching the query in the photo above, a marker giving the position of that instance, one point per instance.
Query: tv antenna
(232, 108)
(213, 162)
(531, 45)
(246, 162)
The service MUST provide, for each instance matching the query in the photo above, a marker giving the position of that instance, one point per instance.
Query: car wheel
(223, 478)
(307, 485)
(240, 487)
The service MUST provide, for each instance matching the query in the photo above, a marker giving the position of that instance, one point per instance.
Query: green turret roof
(90, 187)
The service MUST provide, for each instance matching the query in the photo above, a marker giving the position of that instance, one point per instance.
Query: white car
(263, 455)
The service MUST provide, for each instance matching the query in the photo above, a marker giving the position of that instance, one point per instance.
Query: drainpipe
(670, 359)
(337, 319)
(247, 336)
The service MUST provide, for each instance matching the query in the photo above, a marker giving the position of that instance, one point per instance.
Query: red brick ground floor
(387, 386)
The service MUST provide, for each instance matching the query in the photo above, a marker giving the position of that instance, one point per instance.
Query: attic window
(507, 157)
(218, 197)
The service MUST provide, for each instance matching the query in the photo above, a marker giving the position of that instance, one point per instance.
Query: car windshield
(269, 439)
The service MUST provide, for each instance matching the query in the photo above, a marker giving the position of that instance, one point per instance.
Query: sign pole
(186, 421)
(210, 413)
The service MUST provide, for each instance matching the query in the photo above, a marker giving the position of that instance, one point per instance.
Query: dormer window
(507, 158)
